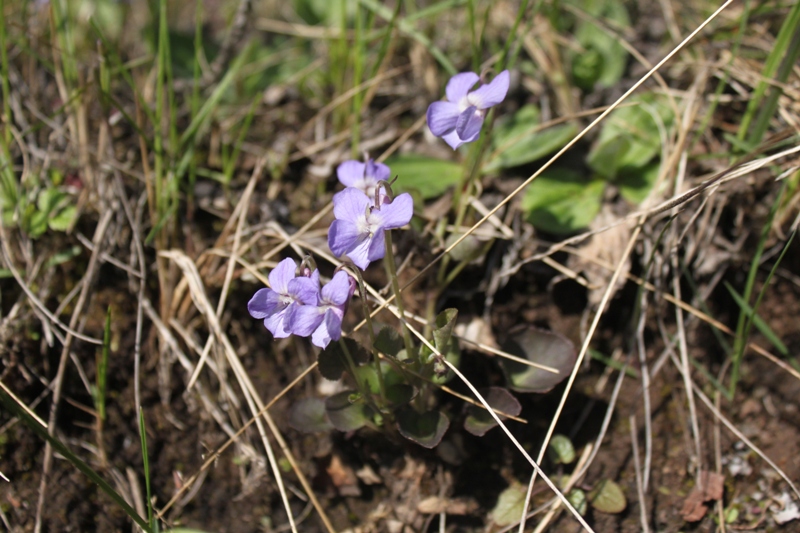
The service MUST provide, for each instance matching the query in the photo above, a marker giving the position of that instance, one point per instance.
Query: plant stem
(391, 271)
(371, 332)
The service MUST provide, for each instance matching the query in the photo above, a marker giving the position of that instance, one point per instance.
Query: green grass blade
(744, 323)
(146, 465)
(76, 461)
(781, 60)
(386, 14)
(211, 103)
(758, 322)
(102, 369)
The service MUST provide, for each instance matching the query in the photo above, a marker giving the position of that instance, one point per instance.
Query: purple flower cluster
(363, 211)
(295, 304)
(460, 118)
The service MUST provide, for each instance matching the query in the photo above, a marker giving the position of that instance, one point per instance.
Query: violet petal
(350, 172)
(492, 93)
(343, 235)
(302, 320)
(263, 303)
(281, 275)
(459, 85)
(377, 247)
(469, 124)
(350, 204)
(337, 290)
(442, 117)
(453, 139)
(398, 213)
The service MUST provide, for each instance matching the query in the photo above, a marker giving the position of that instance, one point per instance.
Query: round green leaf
(562, 201)
(308, 415)
(426, 429)
(561, 449)
(608, 497)
(428, 176)
(578, 500)
(541, 347)
(510, 506)
(479, 421)
(344, 414)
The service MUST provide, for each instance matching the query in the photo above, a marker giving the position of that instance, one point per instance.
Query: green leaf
(426, 429)
(630, 137)
(577, 498)
(541, 347)
(367, 377)
(427, 176)
(344, 414)
(309, 416)
(389, 341)
(635, 185)
(510, 505)
(400, 393)
(608, 497)
(479, 421)
(333, 361)
(445, 322)
(63, 219)
(562, 201)
(597, 39)
(561, 450)
(518, 141)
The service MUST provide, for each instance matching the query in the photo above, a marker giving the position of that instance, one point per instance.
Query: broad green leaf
(445, 322)
(62, 219)
(479, 421)
(630, 137)
(608, 497)
(333, 361)
(578, 500)
(344, 414)
(426, 429)
(541, 347)
(510, 505)
(518, 141)
(400, 393)
(367, 377)
(561, 450)
(389, 341)
(308, 415)
(427, 176)
(635, 185)
(562, 201)
(597, 39)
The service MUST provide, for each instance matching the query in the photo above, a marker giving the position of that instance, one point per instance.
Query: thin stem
(391, 271)
(371, 333)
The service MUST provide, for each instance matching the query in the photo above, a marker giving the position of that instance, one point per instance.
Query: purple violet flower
(274, 304)
(460, 118)
(322, 313)
(359, 226)
(363, 176)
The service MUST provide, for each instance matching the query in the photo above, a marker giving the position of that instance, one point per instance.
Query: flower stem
(391, 271)
(371, 332)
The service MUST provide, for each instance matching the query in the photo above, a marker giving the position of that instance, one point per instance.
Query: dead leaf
(710, 488)
(607, 249)
(456, 506)
(343, 477)
(368, 476)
